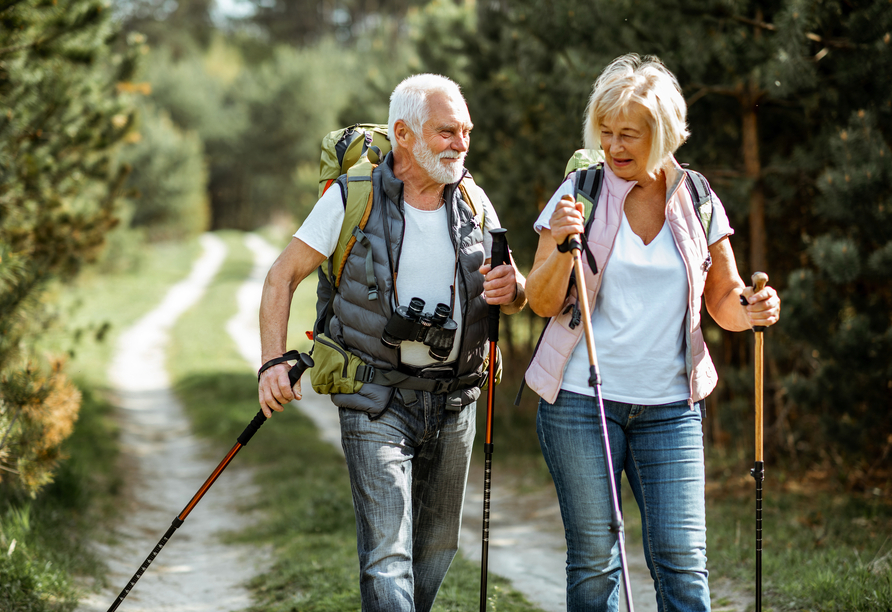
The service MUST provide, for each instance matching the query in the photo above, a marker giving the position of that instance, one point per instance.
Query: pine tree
(770, 85)
(61, 115)
(839, 303)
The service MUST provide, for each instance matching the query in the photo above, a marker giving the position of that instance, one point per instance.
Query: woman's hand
(763, 307)
(567, 219)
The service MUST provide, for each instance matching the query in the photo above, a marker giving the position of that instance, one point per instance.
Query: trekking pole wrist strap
(570, 242)
(573, 241)
(289, 356)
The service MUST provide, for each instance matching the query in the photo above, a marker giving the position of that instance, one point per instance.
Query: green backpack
(352, 152)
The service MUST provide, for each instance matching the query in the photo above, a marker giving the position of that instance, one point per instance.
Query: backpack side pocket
(335, 369)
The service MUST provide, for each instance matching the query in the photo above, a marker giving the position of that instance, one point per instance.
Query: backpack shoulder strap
(587, 182)
(468, 189)
(358, 201)
(701, 194)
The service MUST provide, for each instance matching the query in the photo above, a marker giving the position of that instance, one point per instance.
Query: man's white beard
(441, 173)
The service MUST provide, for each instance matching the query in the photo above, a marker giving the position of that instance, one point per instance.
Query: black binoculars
(435, 330)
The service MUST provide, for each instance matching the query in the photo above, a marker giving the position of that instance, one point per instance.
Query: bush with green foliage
(167, 186)
(261, 123)
(61, 116)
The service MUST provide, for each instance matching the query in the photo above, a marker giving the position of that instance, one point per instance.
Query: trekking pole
(304, 361)
(500, 255)
(760, 279)
(594, 381)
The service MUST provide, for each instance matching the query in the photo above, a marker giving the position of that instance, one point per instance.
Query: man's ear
(403, 135)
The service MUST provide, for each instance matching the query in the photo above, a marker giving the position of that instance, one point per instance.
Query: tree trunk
(752, 164)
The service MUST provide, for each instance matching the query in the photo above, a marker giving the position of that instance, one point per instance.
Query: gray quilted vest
(358, 321)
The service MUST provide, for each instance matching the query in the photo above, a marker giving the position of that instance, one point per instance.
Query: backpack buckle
(365, 373)
(445, 385)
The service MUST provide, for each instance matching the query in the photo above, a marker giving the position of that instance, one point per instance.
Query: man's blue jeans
(408, 470)
(661, 450)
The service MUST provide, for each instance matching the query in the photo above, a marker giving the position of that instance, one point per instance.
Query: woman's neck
(652, 186)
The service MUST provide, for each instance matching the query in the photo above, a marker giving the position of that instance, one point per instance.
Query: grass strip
(304, 490)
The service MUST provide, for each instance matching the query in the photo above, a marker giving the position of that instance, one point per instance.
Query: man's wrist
(269, 363)
(519, 301)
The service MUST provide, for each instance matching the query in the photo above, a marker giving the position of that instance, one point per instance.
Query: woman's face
(626, 140)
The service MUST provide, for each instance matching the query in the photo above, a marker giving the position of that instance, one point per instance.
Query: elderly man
(407, 433)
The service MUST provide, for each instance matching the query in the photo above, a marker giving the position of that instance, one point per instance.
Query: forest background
(144, 121)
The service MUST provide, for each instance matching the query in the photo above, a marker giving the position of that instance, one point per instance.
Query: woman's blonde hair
(630, 78)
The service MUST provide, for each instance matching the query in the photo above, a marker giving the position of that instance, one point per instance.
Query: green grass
(304, 490)
(43, 540)
(823, 548)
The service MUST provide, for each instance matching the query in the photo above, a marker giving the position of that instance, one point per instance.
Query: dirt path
(194, 572)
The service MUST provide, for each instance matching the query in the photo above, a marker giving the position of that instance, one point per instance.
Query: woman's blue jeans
(661, 450)
(408, 470)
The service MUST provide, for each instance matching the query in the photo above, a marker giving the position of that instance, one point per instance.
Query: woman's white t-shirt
(427, 258)
(639, 316)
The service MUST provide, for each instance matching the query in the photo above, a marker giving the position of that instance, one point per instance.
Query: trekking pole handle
(499, 255)
(500, 252)
(759, 279)
(304, 361)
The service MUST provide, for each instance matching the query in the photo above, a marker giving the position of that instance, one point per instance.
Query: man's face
(445, 138)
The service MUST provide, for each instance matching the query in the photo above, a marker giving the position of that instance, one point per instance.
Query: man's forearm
(275, 309)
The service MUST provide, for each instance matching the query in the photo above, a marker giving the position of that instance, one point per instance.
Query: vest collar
(616, 185)
(392, 186)
(674, 178)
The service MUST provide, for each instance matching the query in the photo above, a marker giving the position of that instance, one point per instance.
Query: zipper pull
(707, 263)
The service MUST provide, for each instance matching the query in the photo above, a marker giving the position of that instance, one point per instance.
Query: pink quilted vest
(546, 371)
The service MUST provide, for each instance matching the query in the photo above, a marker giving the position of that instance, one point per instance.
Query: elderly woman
(655, 261)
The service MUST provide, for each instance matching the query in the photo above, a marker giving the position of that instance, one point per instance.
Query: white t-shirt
(427, 258)
(639, 315)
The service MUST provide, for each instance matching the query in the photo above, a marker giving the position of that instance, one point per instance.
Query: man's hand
(500, 284)
(275, 389)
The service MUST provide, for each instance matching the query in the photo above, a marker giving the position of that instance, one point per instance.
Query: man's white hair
(630, 78)
(409, 101)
